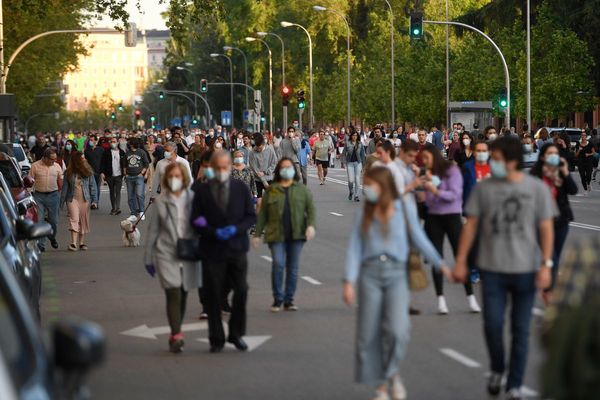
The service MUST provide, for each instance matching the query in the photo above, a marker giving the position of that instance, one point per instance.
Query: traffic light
(161, 95)
(138, 114)
(121, 107)
(416, 25)
(503, 99)
(113, 115)
(286, 91)
(203, 86)
(195, 121)
(300, 98)
(152, 119)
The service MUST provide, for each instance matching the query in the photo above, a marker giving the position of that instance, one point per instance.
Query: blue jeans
(97, 178)
(286, 255)
(560, 237)
(48, 203)
(383, 321)
(495, 288)
(354, 170)
(135, 194)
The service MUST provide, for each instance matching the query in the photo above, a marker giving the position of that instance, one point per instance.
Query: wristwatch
(548, 263)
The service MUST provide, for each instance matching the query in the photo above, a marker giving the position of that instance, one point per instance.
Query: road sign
(226, 118)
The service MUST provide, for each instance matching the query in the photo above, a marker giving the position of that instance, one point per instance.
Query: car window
(16, 349)
(18, 153)
(10, 173)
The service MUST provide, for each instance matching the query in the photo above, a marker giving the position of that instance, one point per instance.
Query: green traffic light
(153, 118)
(503, 103)
(416, 31)
(301, 105)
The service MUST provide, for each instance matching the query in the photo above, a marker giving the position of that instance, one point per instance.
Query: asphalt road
(303, 355)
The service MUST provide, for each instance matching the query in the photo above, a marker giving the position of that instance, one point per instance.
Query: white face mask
(175, 184)
(222, 176)
(466, 142)
(167, 155)
(218, 145)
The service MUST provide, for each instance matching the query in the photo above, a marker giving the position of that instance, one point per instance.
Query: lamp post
(342, 16)
(393, 75)
(227, 48)
(253, 39)
(286, 24)
(215, 55)
(263, 35)
(180, 68)
(528, 68)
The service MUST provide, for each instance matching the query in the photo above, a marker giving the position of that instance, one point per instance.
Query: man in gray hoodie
(290, 146)
(262, 163)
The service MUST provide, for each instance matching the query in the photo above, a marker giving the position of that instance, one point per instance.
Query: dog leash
(134, 227)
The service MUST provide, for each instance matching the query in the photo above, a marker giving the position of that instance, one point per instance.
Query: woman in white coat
(168, 223)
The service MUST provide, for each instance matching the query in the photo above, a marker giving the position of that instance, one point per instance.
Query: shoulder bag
(188, 249)
(417, 278)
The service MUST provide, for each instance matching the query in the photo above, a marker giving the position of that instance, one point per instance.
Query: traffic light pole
(489, 39)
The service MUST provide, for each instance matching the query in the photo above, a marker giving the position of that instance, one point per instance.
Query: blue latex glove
(231, 230)
(221, 234)
(151, 270)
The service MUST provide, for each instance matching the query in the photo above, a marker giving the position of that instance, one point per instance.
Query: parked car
(19, 187)
(16, 151)
(30, 370)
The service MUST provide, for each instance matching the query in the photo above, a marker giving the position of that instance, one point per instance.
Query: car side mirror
(27, 230)
(28, 182)
(78, 345)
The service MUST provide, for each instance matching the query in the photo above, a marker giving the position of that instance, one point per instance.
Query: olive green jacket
(270, 217)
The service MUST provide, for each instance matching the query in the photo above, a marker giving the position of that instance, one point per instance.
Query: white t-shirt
(116, 162)
(161, 166)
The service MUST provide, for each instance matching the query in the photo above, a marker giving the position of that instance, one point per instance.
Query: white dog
(131, 236)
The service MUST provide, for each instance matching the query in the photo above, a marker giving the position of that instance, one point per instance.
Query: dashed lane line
(267, 258)
(459, 357)
(336, 214)
(312, 281)
(585, 226)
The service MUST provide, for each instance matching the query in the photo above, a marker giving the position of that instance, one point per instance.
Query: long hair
(389, 193)
(78, 166)
(537, 168)
(440, 165)
(277, 176)
(164, 184)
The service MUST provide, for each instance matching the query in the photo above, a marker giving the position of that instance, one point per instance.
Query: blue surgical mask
(435, 180)
(209, 173)
(68, 147)
(287, 173)
(238, 160)
(527, 148)
(370, 194)
(498, 169)
(552, 160)
(482, 157)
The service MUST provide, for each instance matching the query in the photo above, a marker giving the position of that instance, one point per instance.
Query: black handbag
(188, 249)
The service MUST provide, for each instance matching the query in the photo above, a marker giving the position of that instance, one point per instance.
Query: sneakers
(176, 343)
(381, 395)
(276, 307)
(72, 247)
(350, 196)
(356, 199)
(442, 306)
(494, 384)
(290, 307)
(398, 390)
(54, 243)
(514, 394)
(473, 305)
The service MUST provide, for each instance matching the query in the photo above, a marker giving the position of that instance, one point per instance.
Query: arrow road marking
(143, 331)
(461, 358)
(336, 214)
(267, 258)
(253, 342)
(311, 280)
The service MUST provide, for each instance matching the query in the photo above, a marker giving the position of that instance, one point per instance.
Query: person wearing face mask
(113, 169)
(376, 264)
(169, 222)
(69, 148)
(490, 134)
(512, 214)
(262, 163)
(554, 172)
(542, 137)
(443, 198)
(170, 156)
(530, 154)
(454, 147)
(135, 169)
(322, 150)
(287, 221)
(377, 134)
(466, 149)
(585, 161)
(222, 214)
(48, 179)
(242, 173)
(93, 154)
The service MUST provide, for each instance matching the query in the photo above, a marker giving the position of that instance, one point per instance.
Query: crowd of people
(217, 193)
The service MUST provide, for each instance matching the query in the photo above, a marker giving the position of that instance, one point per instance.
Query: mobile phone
(422, 171)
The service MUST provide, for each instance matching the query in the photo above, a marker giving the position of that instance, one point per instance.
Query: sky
(149, 18)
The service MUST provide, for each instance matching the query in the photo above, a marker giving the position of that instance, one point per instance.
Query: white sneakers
(442, 306)
(397, 390)
(473, 305)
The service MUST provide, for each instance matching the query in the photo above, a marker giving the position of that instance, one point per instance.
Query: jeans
(48, 202)
(114, 187)
(354, 170)
(304, 172)
(560, 237)
(135, 194)
(286, 255)
(383, 321)
(97, 178)
(495, 288)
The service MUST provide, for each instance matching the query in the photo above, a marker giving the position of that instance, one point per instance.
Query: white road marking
(312, 281)
(267, 258)
(537, 312)
(585, 226)
(143, 331)
(336, 214)
(461, 358)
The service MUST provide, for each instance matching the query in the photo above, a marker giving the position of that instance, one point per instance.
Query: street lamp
(263, 35)
(215, 55)
(286, 24)
(253, 39)
(180, 68)
(339, 14)
(393, 75)
(230, 48)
